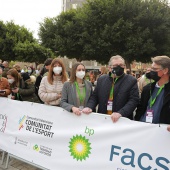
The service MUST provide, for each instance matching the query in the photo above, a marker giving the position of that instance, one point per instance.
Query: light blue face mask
(29, 71)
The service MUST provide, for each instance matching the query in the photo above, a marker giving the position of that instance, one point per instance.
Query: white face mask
(10, 81)
(36, 72)
(57, 70)
(80, 74)
(29, 71)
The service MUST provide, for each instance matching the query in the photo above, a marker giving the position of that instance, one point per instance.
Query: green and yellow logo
(79, 147)
(36, 148)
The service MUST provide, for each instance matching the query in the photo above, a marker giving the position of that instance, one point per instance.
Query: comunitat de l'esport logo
(21, 122)
(79, 147)
(36, 125)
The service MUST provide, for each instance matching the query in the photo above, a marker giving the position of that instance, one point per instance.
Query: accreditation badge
(81, 108)
(109, 105)
(149, 116)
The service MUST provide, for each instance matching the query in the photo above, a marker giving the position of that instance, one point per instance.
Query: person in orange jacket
(4, 85)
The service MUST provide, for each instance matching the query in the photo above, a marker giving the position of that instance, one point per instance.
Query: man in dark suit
(116, 93)
(154, 105)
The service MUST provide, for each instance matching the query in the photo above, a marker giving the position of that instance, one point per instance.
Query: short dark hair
(25, 76)
(48, 61)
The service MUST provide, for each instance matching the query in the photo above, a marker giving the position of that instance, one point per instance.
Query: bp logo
(79, 147)
(36, 148)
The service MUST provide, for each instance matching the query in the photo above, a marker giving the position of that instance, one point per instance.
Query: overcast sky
(29, 13)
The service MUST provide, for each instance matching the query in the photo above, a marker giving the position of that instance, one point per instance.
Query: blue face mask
(29, 71)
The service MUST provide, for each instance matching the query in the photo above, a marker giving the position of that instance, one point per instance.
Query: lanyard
(18, 96)
(152, 101)
(112, 89)
(81, 95)
(147, 80)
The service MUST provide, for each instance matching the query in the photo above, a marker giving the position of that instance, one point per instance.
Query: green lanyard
(152, 101)
(18, 96)
(147, 80)
(112, 89)
(81, 95)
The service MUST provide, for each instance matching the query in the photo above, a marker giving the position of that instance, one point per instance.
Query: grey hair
(163, 61)
(116, 57)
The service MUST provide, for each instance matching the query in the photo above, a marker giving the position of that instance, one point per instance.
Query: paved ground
(15, 164)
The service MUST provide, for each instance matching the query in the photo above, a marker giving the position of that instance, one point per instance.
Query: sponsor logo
(79, 147)
(39, 126)
(21, 122)
(36, 148)
(127, 157)
(22, 142)
(3, 122)
(42, 150)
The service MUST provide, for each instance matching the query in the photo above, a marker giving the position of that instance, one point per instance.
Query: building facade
(71, 4)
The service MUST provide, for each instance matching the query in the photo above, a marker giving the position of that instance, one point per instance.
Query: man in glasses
(154, 106)
(116, 93)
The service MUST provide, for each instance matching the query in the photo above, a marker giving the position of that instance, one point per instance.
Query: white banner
(58, 140)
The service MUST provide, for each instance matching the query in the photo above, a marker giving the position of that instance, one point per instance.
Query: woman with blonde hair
(51, 85)
(77, 91)
(103, 70)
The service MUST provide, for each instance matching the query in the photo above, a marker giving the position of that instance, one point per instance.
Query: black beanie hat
(25, 76)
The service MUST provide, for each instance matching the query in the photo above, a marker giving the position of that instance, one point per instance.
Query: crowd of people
(115, 92)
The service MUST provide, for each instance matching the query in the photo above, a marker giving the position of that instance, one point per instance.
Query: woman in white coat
(51, 85)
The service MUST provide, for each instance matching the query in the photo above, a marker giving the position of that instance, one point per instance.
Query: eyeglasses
(113, 66)
(155, 69)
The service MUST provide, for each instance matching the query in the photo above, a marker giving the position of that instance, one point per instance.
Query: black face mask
(148, 75)
(118, 70)
(127, 72)
(154, 76)
(2, 67)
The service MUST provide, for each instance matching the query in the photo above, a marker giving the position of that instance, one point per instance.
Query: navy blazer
(145, 96)
(125, 96)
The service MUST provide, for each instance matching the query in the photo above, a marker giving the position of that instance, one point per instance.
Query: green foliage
(31, 52)
(12, 34)
(2, 37)
(63, 34)
(135, 29)
(17, 43)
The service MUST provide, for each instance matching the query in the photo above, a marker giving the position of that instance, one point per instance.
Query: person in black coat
(38, 81)
(154, 106)
(116, 93)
